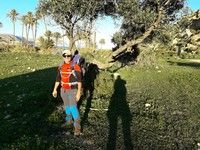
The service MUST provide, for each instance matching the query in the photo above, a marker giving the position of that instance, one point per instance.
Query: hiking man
(76, 57)
(69, 76)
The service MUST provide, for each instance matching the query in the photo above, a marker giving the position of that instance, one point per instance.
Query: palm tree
(38, 16)
(29, 24)
(102, 42)
(63, 38)
(94, 41)
(56, 35)
(24, 23)
(48, 34)
(13, 16)
(42, 13)
(41, 41)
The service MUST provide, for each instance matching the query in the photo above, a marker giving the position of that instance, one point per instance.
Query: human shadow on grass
(118, 108)
(88, 89)
(26, 105)
(186, 64)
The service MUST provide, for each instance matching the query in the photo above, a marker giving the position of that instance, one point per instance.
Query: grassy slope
(30, 118)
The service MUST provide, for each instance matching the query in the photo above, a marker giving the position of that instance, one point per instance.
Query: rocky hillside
(188, 40)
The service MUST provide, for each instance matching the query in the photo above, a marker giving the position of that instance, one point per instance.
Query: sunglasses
(64, 55)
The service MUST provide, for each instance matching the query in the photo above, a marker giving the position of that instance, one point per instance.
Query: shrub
(103, 85)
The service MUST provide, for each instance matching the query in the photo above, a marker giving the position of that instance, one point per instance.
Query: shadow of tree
(126, 58)
(186, 64)
(189, 64)
(118, 108)
(25, 106)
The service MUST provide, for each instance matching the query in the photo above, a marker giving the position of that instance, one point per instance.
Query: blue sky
(194, 4)
(105, 27)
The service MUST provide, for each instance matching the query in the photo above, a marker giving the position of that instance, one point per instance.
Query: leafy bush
(46, 43)
(103, 86)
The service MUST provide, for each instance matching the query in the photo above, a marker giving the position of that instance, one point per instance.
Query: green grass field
(147, 108)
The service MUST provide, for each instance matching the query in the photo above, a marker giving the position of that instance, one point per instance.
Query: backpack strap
(73, 70)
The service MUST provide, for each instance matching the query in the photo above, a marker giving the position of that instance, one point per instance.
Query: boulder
(191, 47)
(195, 21)
(196, 39)
(188, 32)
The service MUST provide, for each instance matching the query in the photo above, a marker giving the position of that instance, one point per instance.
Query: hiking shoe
(77, 131)
(77, 134)
(67, 124)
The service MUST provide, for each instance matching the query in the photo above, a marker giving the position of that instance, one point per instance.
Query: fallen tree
(135, 30)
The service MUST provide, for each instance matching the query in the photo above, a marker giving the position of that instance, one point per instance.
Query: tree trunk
(22, 33)
(28, 29)
(94, 40)
(56, 42)
(35, 36)
(71, 38)
(71, 43)
(14, 28)
(63, 38)
(45, 24)
(87, 43)
(26, 34)
(13, 32)
(63, 41)
(32, 28)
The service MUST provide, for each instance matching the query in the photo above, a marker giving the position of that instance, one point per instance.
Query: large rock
(175, 41)
(188, 32)
(195, 21)
(196, 39)
(195, 24)
(191, 47)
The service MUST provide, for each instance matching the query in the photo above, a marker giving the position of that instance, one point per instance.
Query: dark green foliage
(138, 16)
(117, 38)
